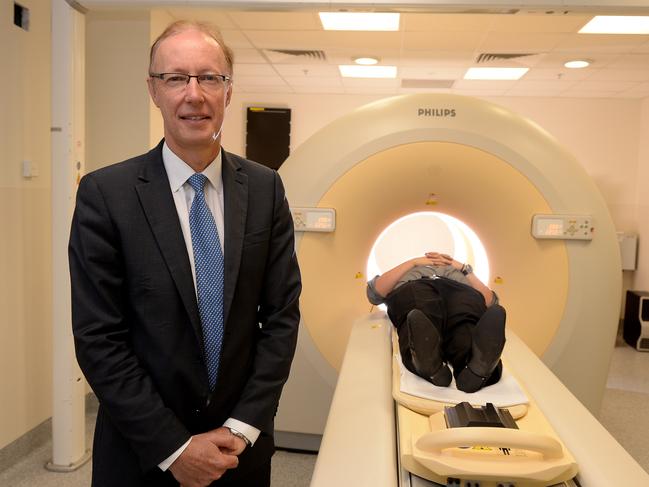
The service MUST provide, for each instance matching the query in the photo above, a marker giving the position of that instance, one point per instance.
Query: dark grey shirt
(418, 272)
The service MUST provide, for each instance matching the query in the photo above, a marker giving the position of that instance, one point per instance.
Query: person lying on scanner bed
(444, 315)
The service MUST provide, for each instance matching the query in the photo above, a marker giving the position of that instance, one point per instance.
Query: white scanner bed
(359, 444)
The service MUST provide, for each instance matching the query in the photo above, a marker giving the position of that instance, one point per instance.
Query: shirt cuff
(248, 431)
(165, 464)
(372, 294)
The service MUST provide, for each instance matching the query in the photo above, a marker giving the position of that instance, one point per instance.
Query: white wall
(117, 56)
(641, 280)
(25, 241)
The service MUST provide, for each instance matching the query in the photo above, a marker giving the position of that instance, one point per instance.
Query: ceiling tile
(470, 84)
(247, 56)
(446, 22)
(369, 90)
(236, 39)
(614, 86)
(533, 93)
(319, 89)
(268, 89)
(271, 39)
(307, 71)
(576, 93)
(371, 83)
(642, 48)
(315, 82)
(540, 23)
(260, 80)
(446, 59)
(600, 43)
(558, 58)
(505, 42)
(641, 90)
(424, 90)
(363, 40)
(213, 16)
(631, 61)
(559, 74)
(466, 41)
(609, 74)
(540, 85)
(630, 94)
(246, 70)
(290, 21)
(480, 93)
(430, 46)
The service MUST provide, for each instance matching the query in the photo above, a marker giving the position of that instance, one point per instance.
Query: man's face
(192, 114)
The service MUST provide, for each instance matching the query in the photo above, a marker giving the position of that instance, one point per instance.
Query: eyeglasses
(208, 81)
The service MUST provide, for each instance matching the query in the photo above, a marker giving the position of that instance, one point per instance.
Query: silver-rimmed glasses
(208, 81)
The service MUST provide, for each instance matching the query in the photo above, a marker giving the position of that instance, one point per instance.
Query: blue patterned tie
(208, 260)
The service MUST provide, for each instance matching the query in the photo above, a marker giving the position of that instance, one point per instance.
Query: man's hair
(204, 27)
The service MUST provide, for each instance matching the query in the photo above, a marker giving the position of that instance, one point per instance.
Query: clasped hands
(207, 457)
(437, 259)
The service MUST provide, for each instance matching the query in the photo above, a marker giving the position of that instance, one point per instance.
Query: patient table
(360, 443)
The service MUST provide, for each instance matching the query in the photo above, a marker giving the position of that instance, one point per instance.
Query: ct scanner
(493, 170)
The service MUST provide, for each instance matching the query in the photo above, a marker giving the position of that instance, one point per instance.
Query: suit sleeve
(101, 328)
(279, 317)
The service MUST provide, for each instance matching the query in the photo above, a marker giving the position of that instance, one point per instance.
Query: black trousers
(455, 309)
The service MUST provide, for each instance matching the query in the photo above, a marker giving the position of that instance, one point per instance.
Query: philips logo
(436, 112)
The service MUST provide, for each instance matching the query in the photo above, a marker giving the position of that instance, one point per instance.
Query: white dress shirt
(178, 172)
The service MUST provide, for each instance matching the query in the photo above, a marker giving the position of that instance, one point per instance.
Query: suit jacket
(136, 325)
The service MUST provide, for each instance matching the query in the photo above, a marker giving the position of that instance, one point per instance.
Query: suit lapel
(235, 198)
(160, 210)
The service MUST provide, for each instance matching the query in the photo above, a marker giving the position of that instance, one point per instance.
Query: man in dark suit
(185, 289)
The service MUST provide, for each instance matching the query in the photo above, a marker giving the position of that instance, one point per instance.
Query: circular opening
(417, 233)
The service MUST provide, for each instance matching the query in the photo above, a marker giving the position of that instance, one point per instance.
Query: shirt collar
(178, 171)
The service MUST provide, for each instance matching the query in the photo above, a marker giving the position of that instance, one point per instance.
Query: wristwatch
(466, 269)
(239, 434)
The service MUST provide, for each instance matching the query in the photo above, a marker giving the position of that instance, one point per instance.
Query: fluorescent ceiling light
(365, 60)
(359, 21)
(495, 73)
(577, 64)
(354, 71)
(616, 24)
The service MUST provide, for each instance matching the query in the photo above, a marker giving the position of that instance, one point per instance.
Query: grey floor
(289, 469)
(625, 413)
(625, 408)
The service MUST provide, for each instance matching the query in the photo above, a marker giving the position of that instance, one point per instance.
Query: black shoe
(488, 341)
(468, 381)
(425, 349)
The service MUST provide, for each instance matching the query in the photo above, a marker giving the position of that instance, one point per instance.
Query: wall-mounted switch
(30, 169)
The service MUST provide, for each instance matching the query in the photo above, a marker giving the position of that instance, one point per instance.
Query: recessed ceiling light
(495, 73)
(354, 71)
(580, 63)
(359, 21)
(616, 24)
(366, 60)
